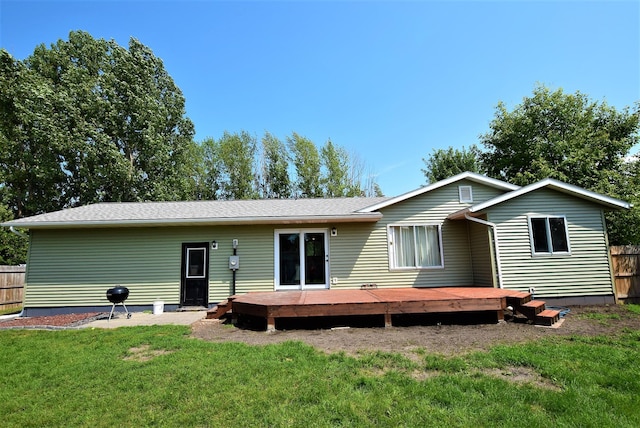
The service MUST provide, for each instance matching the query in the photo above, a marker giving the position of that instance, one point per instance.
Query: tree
(306, 161)
(335, 179)
(233, 158)
(13, 246)
(276, 182)
(570, 138)
(444, 163)
(104, 123)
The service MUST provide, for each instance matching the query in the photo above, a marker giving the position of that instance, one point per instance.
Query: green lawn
(158, 376)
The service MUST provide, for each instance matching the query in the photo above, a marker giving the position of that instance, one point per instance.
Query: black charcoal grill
(118, 294)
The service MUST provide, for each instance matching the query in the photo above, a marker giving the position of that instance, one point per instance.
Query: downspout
(494, 228)
(15, 232)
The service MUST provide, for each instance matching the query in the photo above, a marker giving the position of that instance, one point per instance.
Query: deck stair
(221, 309)
(534, 310)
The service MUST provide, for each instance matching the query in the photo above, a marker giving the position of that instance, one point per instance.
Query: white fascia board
(478, 178)
(550, 183)
(357, 218)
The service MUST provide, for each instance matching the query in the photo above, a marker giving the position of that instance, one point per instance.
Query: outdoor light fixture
(214, 245)
(334, 231)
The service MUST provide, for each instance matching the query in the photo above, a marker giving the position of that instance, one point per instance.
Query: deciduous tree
(306, 161)
(444, 163)
(87, 120)
(573, 139)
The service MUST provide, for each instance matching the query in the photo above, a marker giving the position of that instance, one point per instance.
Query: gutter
(496, 247)
(216, 221)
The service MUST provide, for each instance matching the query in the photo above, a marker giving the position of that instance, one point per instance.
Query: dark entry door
(195, 274)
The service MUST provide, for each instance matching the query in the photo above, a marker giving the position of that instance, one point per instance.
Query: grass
(158, 376)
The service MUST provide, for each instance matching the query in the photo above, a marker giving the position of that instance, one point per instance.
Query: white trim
(317, 219)
(204, 263)
(492, 182)
(276, 258)
(462, 197)
(391, 248)
(496, 246)
(558, 186)
(546, 217)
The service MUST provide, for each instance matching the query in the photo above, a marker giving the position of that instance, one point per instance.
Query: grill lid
(118, 294)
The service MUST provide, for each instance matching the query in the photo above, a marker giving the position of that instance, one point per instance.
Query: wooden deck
(375, 301)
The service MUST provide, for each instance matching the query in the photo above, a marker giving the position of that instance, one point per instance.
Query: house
(468, 230)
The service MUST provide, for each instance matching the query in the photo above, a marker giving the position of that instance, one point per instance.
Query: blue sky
(389, 81)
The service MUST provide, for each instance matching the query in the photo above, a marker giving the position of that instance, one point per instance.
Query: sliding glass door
(301, 259)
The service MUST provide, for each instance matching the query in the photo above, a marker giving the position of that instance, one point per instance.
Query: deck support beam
(387, 320)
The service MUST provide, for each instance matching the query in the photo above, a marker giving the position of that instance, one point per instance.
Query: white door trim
(302, 285)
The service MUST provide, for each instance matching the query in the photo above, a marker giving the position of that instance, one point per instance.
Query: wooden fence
(11, 287)
(626, 270)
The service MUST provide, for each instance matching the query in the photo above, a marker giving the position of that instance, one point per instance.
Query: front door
(302, 260)
(195, 274)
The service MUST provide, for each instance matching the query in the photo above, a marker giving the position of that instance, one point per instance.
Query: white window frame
(550, 251)
(391, 246)
(303, 285)
(204, 263)
(461, 190)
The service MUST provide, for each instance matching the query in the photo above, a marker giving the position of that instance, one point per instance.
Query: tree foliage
(232, 160)
(13, 246)
(444, 163)
(573, 139)
(306, 161)
(276, 181)
(233, 168)
(87, 120)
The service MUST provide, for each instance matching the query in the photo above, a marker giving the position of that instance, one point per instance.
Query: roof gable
(478, 178)
(548, 183)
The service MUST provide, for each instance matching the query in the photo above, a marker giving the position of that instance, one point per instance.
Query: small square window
(549, 235)
(465, 193)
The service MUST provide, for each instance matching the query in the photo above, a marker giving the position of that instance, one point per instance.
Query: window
(549, 235)
(196, 262)
(465, 193)
(415, 246)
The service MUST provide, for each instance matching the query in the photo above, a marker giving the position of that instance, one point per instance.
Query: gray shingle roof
(277, 211)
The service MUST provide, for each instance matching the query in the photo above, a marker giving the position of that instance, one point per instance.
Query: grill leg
(112, 309)
(125, 308)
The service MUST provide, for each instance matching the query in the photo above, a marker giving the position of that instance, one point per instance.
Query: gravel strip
(53, 322)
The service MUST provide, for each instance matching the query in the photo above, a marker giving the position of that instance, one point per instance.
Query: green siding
(359, 253)
(75, 267)
(585, 272)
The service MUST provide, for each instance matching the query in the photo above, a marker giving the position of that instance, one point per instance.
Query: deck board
(379, 301)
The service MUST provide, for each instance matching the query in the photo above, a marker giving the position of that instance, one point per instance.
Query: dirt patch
(431, 336)
(522, 375)
(144, 353)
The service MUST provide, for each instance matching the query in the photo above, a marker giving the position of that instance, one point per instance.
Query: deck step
(531, 309)
(219, 310)
(548, 317)
(519, 299)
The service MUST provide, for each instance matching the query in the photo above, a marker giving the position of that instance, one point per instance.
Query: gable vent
(465, 193)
